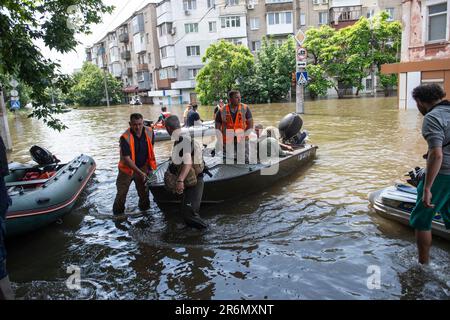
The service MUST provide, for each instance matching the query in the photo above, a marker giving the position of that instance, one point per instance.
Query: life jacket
(151, 161)
(166, 114)
(239, 123)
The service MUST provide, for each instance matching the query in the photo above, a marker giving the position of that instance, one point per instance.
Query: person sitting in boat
(232, 122)
(193, 117)
(218, 107)
(271, 136)
(186, 166)
(185, 114)
(162, 117)
(6, 292)
(137, 160)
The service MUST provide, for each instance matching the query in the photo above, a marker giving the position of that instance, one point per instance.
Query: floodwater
(311, 236)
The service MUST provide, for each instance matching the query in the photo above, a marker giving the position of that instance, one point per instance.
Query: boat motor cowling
(290, 126)
(42, 156)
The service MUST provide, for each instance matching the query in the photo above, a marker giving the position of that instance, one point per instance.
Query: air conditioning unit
(251, 6)
(187, 12)
(175, 67)
(316, 1)
(173, 31)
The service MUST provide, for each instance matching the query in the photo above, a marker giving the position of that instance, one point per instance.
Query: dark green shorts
(421, 217)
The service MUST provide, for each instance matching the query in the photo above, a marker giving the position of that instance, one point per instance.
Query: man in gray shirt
(433, 192)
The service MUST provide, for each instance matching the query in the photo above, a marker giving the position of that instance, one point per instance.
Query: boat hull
(394, 204)
(33, 209)
(233, 181)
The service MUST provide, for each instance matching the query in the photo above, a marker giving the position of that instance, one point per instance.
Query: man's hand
(143, 176)
(179, 187)
(426, 198)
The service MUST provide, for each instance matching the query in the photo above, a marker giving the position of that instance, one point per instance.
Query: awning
(130, 89)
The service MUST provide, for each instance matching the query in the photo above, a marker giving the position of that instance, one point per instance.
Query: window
(254, 23)
(212, 26)
(164, 52)
(231, 22)
(236, 41)
(280, 17)
(390, 12)
(256, 46)
(368, 84)
(148, 39)
(193, 51)
(165, 28)
(149, 58)
(191, 27)
(302, 19)
(323, 17)
(231, 2)
(190, 4)
(211, 3)
(437, 22)
(277, 1)
(193, 73)
(278, 42)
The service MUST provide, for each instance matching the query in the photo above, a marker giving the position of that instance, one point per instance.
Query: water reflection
(311, 236)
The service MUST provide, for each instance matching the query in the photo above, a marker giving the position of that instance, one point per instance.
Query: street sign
(300, 37)
(302, 77)
(15, 104)
(13, 83)
(14, 93)
(301, 53)
(301, 64)
(14, 98)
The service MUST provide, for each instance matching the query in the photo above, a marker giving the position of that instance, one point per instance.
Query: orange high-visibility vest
(151, 161)
(227, 121)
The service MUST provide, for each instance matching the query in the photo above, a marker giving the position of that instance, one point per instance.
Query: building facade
(157, 51)
(425, 53)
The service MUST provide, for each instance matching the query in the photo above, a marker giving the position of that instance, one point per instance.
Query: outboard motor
(42, 156)
(290, 127)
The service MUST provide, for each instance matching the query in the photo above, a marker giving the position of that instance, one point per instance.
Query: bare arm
(183, 174)
(434, 163)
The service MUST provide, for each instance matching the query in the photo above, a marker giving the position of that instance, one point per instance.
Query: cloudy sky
(74, 60)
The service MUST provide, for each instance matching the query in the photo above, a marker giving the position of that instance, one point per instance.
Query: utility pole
(106, 87)
(4, 122)
(300, 74)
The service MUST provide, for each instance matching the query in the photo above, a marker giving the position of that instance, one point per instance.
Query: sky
(74, 60)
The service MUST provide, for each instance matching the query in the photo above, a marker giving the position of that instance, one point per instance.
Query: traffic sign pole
(4, 127)
(299, 103)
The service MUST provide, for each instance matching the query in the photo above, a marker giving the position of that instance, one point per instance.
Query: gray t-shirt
(436, 131)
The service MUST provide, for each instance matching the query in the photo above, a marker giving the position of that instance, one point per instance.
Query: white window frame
(255, 23)
(326, 15)
(279, 16)
(425, 33)
(227, 22)
(255, 49)
(192, 73)
(302, 19)
(212, 24)
(189, 5)
(190, 51)
(211, 3)
(232, 2)
(391, 12)
(191, 27)
(278, 1)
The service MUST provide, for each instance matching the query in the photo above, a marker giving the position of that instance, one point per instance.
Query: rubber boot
(6, 292)
(192, 219)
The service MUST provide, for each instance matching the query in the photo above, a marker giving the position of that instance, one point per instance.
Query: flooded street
(312, 236)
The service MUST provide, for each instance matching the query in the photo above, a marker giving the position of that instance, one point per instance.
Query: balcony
(341, 17)
(125, 55)
(165, 40)
(142, 67)
(184, 84)
(233, 10)
(127, 72)
(124, 37)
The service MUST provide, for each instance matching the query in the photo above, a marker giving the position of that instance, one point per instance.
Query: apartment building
(425, 52)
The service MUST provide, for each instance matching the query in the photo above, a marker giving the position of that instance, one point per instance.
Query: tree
(89, 89)
(317, 39)
(23, 23)
(23, 90)
(386, 46)
(226, 67)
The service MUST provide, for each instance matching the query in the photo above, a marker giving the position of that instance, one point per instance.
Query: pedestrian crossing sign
(302, 77)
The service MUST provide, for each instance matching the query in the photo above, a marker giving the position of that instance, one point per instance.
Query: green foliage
(89, 88)
(23, 90)
(342, 58)
(226, 66)
(23, 23)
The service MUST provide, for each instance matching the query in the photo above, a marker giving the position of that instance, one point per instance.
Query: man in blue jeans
(5, 286)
